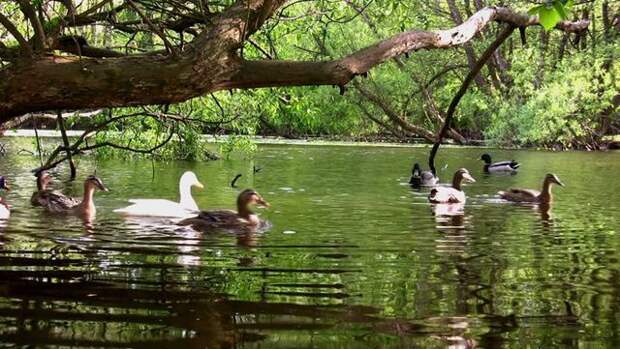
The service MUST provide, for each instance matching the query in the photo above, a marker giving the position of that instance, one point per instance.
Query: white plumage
(186, 207)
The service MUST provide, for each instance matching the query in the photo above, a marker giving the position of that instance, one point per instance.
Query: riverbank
(611, 142)
(375, 141)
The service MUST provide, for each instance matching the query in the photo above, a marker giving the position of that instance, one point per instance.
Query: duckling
(243, 219)
(40, 197)
(533, 196)
(5, 210)
(502, 166)
(422, 178)
(60, 203)
(454, 194)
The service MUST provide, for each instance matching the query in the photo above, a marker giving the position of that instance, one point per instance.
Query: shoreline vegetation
(369, 140)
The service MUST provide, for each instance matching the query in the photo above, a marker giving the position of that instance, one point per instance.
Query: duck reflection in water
(451, 221)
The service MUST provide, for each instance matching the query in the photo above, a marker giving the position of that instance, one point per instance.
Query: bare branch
(23, 44)
(30, 13)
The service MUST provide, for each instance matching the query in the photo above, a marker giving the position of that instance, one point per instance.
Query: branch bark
(211, 63)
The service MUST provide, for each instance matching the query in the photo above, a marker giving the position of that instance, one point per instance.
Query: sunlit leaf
(548, 17)
(559, 8)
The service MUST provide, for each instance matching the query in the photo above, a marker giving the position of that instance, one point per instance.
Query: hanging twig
(464, 86)
(67, 146)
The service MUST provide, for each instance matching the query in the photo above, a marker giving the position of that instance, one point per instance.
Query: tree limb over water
(210, 62)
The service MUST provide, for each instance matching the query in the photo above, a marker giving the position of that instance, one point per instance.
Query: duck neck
(186, 199)
(40, 184)
(89, 193)
(545, 194)
(456, 181)
(244, 210)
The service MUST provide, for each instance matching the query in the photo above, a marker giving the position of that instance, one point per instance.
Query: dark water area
(355, 257)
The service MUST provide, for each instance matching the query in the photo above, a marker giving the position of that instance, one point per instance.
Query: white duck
(186, 208)
(5, 212)
(454, 194)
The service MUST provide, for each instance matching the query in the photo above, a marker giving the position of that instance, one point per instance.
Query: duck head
(3, 184)
(251, 197)
(486, 158)
(460, 176)
(43, 180)
(417, 171)
(552, 178)
(95, 183)
(189, 179)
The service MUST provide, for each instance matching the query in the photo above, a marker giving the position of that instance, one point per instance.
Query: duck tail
(502, 194)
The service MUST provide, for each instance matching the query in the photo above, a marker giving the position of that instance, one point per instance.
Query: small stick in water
(232, 184)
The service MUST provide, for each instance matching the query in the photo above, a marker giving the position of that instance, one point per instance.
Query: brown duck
(533, 196)
(57, 202)
(43, 194)
(242, 219)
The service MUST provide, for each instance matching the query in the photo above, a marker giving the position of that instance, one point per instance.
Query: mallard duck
(40, 197)
(5, 210)
(422, 178)
(454, 194)
(243, 219)
(185, 208)
(534, 196)
(60, 203)
(502, 166)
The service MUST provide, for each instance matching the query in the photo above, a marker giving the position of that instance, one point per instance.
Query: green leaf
(534, 10)
(548, 17)
(559, 8)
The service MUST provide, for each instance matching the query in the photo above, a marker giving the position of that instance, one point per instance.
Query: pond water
(355, 257)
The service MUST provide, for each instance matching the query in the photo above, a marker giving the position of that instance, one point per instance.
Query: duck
(502, 166)
(41, 196)
(59, 203)
(5, 210)
(533, 196)
(454, 194)
(422, 178)
(185, 208)
(241, 220)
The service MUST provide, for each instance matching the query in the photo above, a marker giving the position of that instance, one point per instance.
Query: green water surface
(355, 258)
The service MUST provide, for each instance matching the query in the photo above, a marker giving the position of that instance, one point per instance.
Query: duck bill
(469, 178)
(102, 187)
(261, 202)
(560, 183)
(199, 185)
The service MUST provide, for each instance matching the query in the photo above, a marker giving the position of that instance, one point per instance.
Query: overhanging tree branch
(211, 63)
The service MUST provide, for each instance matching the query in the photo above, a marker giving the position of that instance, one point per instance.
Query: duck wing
(156, 208)
(520, 195)
(446, 195)
(56, 202)
(428, 178)
(213, 220)
(504, 166)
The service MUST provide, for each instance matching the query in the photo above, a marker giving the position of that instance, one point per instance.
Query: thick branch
(340, 72)
(210, 64)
